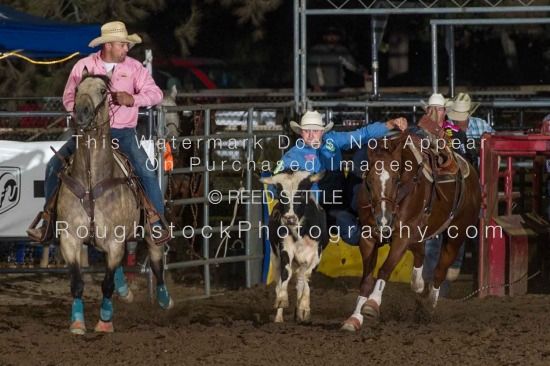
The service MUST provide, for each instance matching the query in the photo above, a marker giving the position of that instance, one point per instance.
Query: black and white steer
(297, 232)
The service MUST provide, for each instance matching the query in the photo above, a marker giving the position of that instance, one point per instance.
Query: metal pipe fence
(222, 123)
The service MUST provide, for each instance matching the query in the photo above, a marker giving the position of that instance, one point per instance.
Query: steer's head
(294, 193)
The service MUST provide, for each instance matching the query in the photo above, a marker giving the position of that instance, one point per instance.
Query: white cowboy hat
(115, 32)
(311, 120)
(463, 108)
(437, 100)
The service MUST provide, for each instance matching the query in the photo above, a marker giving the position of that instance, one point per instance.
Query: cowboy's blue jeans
(128, 145)
(432, 250)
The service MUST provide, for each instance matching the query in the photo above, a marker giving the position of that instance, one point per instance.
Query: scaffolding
(379, 10)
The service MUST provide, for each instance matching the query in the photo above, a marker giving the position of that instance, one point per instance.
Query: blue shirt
(476, 127)
(329, 155)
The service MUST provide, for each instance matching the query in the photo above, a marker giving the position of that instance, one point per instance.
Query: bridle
(403, 190)
(93, 126)
(373, 203)
(89, 193)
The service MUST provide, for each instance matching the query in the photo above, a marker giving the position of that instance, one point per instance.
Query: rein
(89, 194)
(95, 113)
(405, 190)
(402, 192)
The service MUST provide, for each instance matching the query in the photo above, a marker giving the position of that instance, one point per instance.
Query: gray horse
(98, 204)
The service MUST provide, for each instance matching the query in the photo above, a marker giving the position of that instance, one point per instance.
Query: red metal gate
(503, 258)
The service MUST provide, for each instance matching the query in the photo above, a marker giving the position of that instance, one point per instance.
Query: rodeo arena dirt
(236, 328)
(235, 325)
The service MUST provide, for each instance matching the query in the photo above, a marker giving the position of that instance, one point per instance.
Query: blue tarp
(39, 37)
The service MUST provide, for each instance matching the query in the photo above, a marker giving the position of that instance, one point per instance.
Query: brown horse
(98, 204)
(402, 201)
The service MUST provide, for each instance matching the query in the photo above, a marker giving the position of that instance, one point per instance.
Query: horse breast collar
(88, 196)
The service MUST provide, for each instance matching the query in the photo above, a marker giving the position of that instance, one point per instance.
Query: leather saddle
(440, 165)
(45, 233)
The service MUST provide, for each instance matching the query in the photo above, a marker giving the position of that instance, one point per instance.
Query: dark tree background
(255, 40)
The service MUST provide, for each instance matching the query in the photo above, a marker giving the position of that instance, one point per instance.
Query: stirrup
(162, 238)
(41, 234)
(37, 234)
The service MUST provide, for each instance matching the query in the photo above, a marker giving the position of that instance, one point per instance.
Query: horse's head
(382, 181)
(172, 119)
(91, 101)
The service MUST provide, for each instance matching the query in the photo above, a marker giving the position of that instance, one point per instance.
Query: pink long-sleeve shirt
(129, 76)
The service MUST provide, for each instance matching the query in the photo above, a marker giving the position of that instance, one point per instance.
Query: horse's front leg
(369, 253)
(71, 252)
(121, 287)
(113, 256)
(398, 249)
(417, 281)
(156, 253)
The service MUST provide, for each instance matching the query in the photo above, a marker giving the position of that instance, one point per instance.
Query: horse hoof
(302, 316)
(352, 324)
(77, 327)
(104, 327)
(163, 298)
(371, 309)
(417, 288)
(169, 306)
(166, 303)
(128, 298)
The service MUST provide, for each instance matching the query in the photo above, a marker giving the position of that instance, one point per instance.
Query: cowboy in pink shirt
(132, 87)
(130, 80)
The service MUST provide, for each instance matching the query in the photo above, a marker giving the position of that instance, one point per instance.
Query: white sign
(22, 172)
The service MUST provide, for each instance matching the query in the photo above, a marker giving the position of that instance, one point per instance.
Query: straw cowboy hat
(311, 120)
(115, 32)
(437, 100)
(463, 108)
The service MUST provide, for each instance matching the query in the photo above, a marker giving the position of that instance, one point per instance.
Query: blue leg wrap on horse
(163, 297)
(120, 283)
(106, 312)
(77, 312)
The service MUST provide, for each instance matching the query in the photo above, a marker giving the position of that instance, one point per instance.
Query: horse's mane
(388, 146)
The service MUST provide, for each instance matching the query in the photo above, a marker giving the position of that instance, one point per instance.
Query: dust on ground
(236, 328)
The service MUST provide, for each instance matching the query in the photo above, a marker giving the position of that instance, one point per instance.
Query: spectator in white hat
(461, 115)
(431, 124)
(438, 102)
